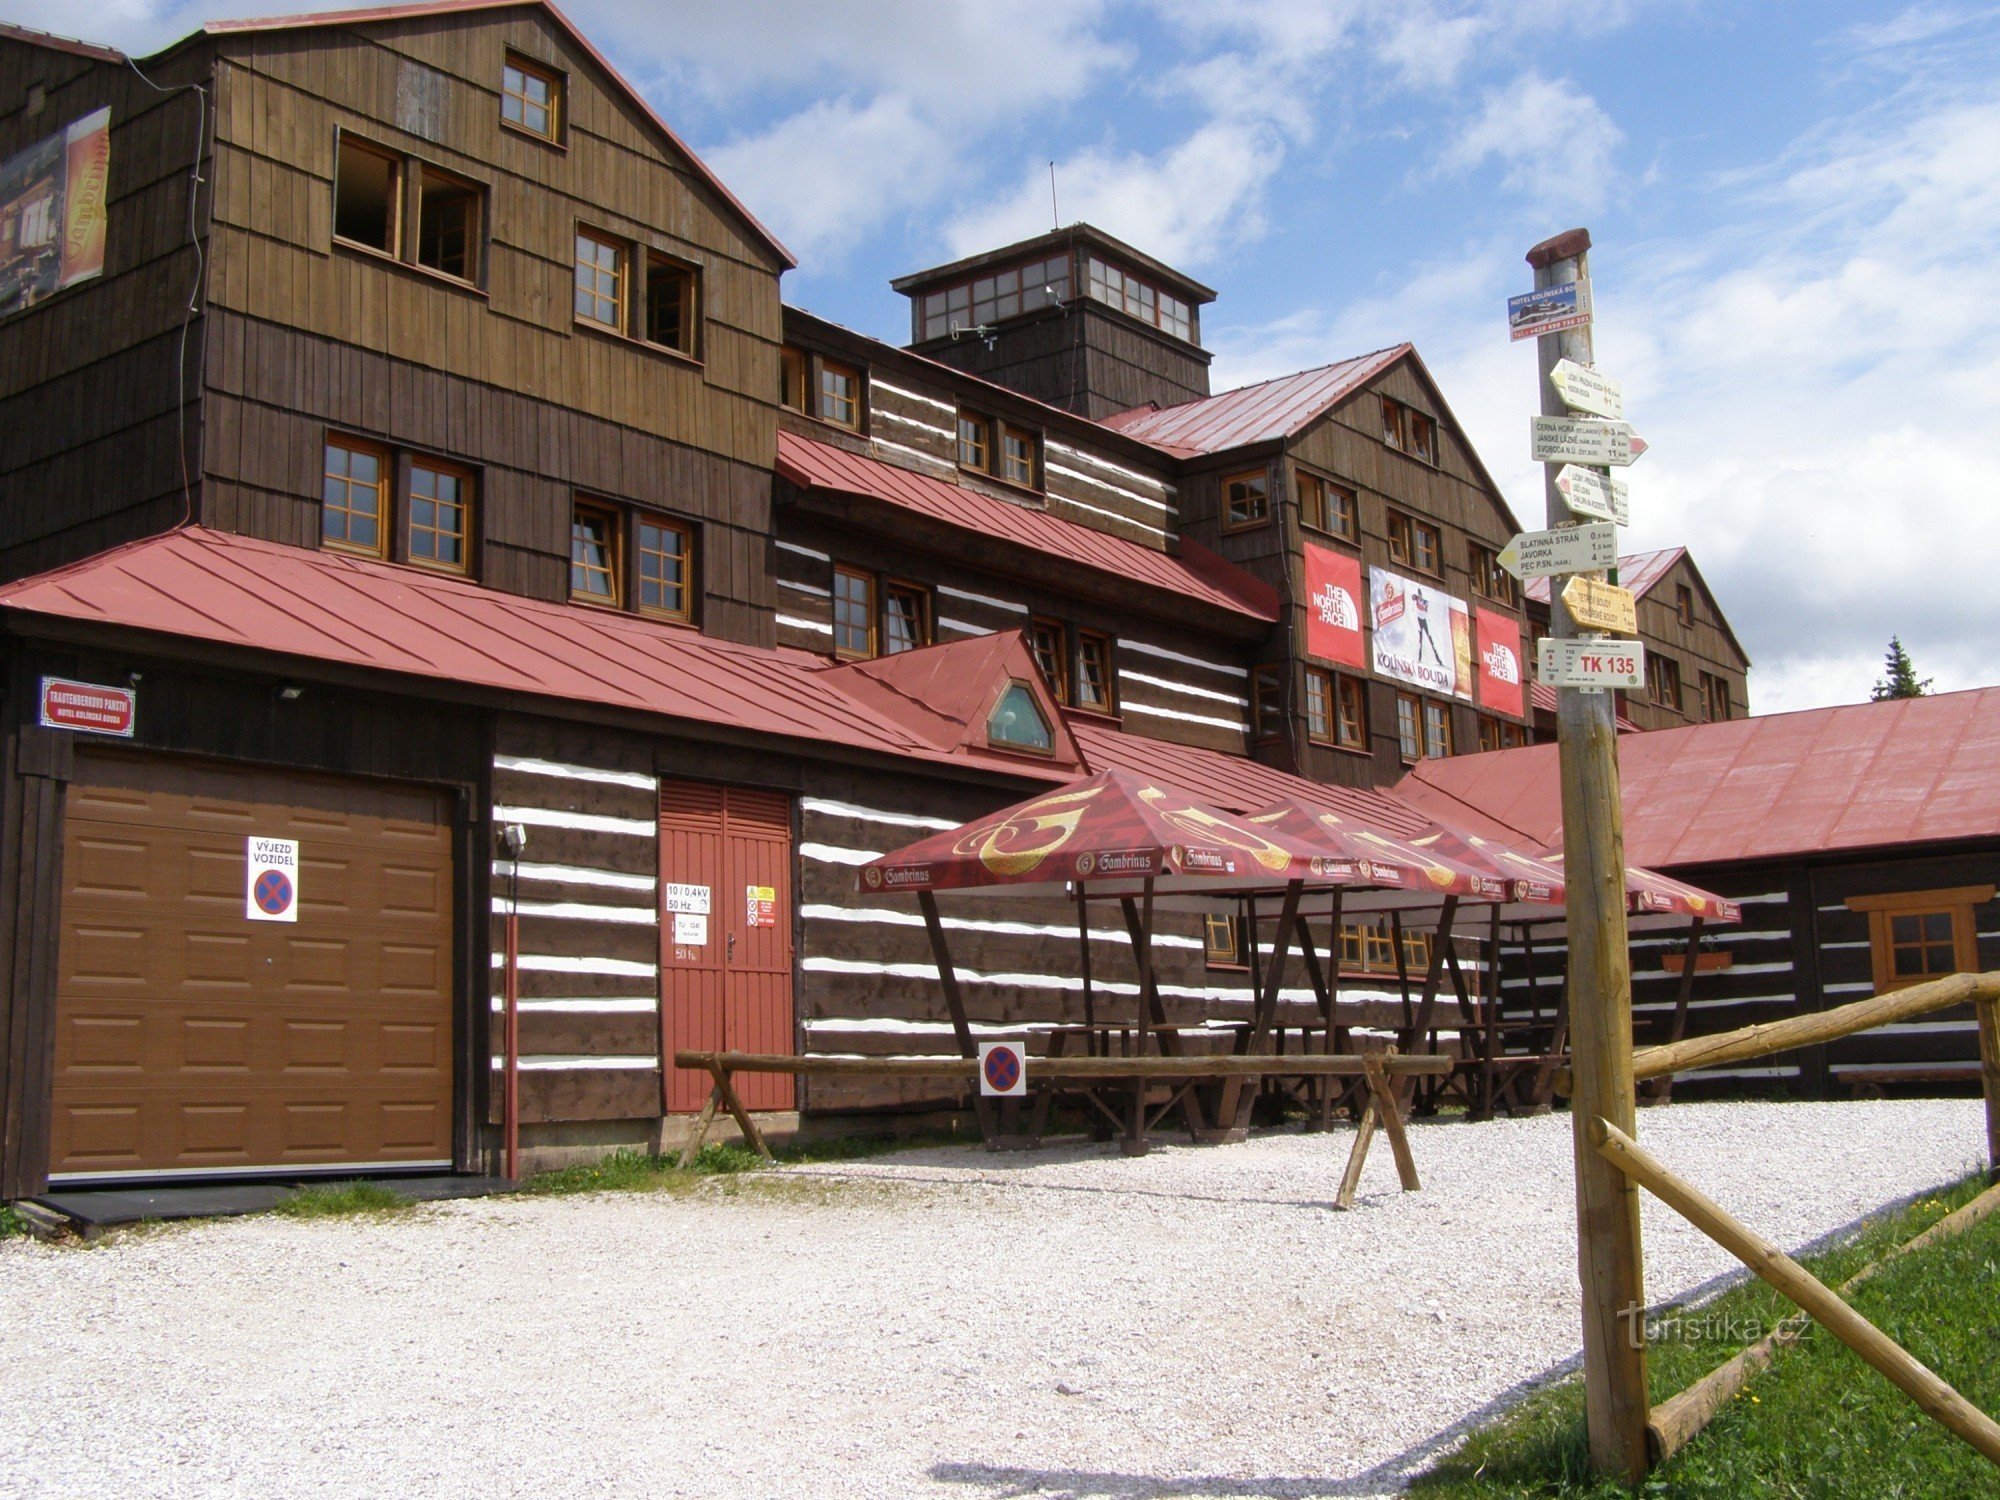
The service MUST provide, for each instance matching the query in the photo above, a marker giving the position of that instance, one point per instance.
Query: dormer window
(1017, 721)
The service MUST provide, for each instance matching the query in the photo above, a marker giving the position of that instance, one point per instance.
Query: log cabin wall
(91, 378)
(1702, 643)
(1800, 948)
(909, 415)
(310, 335)
(1173, 682)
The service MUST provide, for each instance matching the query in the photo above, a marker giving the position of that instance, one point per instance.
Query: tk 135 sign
(1590, 664)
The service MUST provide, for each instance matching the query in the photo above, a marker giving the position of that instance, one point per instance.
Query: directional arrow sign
(1589, 492)
(1601, 606)
(1574, 549)
(1585, 440)
(1590, 664)
(1583, 389)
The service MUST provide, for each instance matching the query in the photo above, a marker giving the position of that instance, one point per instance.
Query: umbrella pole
(1440, 945)
(955, 1004)
(1660, 1090)
(1089, 991)
(1267, 999)
(1249, 908)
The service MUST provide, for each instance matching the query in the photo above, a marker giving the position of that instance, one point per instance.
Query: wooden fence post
(1989, 1078)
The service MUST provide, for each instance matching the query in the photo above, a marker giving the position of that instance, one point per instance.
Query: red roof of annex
(1822, 780)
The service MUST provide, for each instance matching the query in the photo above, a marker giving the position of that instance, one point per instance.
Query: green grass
(341, 1199)
(1819, 1423)
(12, 1225)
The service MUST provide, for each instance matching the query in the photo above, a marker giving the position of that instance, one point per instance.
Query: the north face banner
(1499, 662)
(1333, 607)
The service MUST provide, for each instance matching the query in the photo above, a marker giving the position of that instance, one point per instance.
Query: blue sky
(1795, 205)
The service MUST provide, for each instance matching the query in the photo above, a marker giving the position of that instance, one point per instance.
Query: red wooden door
(725, 970)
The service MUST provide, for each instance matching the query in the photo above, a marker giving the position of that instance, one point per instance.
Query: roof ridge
(1237, 390)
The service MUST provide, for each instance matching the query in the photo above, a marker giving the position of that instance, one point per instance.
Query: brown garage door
(189, 1037)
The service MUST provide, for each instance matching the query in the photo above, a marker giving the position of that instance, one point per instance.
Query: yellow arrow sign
(1601, 606)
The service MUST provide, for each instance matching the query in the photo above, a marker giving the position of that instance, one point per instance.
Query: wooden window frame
(888, 588)
(1326, 514)
(1684, 605)
(1008, 432)
(1489, 579)
(1268, 719)
(872, 604)
(385, 495)
(1370, 948)
(1320, 710)
(475, 229)
(1059, 685)
(1414, 705)
(1714, 696)
(794, 378)
(621, 272)
(1404, 533)
(1664, 688)
(557, 106)
(614, 567)
(1261, 477)
(641, 519)
(1107, 660)
(1222, 942)
(1960, 903)
(1421, 429)
(1438, 745)
(1014, 747)
(974, 437)
(1393, 435)
(398, 164)
(1350, 690)
(821, 397)
(663, 268)
(467, 512)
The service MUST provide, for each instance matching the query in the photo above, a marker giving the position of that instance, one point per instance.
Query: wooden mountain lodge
(424, 521)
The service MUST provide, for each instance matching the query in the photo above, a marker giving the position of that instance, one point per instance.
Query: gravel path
(941, 1323)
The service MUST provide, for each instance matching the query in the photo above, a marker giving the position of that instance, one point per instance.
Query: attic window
(1017, 721)
(531, 98)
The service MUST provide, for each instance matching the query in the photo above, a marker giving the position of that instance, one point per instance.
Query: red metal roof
(1542, 698)
(1253, 413)
(67, 44)
(318, 606)
(1861, 776)
(1196, 574)
(1234, 782)
(367, 15)
(1637, 571)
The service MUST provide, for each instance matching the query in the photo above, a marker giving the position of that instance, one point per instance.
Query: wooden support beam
(1220, 1065)
(1676, 1420)
(702, 1122)
(742, 1116)
(1384, 1095)
(954, 1001)
(1350, 1179)
(1934, 1396)
(1662, 1089)
(1989, 1076)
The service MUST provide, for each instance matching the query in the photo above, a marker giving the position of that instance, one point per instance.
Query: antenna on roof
(1055, 219)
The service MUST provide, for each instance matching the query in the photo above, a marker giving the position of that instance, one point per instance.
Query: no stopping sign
(1003, 1069)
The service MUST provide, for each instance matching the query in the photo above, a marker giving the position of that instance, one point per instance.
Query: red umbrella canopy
(1354, 853)
(1527, 877)
(1649, 890)
(1114, 826)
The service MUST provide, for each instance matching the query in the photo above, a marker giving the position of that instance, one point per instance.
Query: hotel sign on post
(1548, 310)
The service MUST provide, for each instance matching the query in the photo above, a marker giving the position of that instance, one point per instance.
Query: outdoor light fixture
(513, 839)
(291, 692)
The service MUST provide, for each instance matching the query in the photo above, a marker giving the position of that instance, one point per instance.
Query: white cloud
(1185, 205)
(1553, 142)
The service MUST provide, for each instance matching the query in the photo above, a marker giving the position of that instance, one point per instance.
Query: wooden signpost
(1594, 493)
(1601, 606)
(1567, 549)
(1609, 1257)
(1562, 439)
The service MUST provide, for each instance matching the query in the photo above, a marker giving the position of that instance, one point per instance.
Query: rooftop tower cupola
(1072, 317)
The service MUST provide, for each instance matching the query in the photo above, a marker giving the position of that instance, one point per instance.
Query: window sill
(1101, 715)
(1012, 485)
(1230, 528)
(426, 274)
(551, 142)
(1340, 749)
(1314, 533)
(663, 351)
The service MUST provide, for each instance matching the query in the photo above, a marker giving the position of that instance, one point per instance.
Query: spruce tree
(1902, 679)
